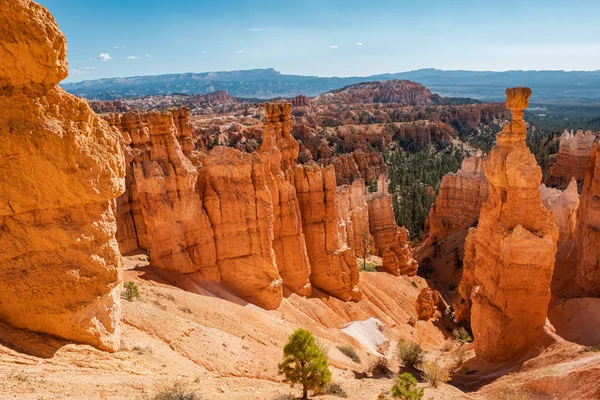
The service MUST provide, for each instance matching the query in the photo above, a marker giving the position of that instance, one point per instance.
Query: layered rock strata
(572, 160)
(61, 168)
(509, 257)
(358, 164)
(588, 233)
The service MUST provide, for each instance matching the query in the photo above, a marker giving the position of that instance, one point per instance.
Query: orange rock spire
(509, 257)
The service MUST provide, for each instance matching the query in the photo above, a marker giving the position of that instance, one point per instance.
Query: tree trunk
(304, 393)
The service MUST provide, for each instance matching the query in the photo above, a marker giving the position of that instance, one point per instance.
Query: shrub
(380, 367)
(462, 335)
(131, 291)
(176, 392)
(406, 388)
(410, 354)
(335, 389)
(435, 374)
(304, 363)
(349, 352)
(594, 349)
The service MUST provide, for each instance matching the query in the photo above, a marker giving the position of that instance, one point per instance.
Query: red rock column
(509, 257)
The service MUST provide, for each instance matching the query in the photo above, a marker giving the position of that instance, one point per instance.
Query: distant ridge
(548, 86)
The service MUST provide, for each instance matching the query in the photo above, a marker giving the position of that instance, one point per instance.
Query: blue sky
(113, 38)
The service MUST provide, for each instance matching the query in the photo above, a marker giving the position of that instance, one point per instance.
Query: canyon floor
(201, 344)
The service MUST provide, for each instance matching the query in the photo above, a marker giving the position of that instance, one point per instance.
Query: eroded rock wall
(588, 233)
(509, 257)
(61, 168)
(333, 263)
(564, 205)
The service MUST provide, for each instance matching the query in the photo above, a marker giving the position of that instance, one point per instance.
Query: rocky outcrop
(359, 164)
(423, 133)
(509, 257)
(429, 303)
(333, 264)
(572, 160)
(61, 168)
(588, 234)
(279, 151)
(564, 205)
(300, 101)
(395, 91)
(391, 242)
(459, 201)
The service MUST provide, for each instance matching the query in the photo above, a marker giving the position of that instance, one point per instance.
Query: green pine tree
(304, 364)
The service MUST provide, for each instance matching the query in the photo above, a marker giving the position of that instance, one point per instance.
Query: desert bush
(460, 356)
(304, 364)
(462, 335)
(594, 349)
(176, 392)
(410, 354)
(406, 388)
(435, 374)
(130, 291)
(380, 367)
(335, 389)
(349, 352)
(447, 346)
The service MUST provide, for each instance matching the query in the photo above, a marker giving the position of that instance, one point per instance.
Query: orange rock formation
(391, 242)
(564, 205)
(429, 302)
(588, 233)
(573, 158)
(279, 151)
(333, 264)
(459, 201)
(61, 167)
(509, 257)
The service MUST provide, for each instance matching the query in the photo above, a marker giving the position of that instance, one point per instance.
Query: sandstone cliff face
(396, 91)
(460, 198)
(424, 133)
(588, 233)
(61, 168)
(509, 257)
(333, 264)
(279, 151)
(564, 205)
(573, 158)
(391, 242)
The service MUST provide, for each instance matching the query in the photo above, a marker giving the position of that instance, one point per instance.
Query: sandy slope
(224, 348)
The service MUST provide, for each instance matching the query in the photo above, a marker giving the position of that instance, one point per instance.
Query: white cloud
(104, 57)
(77, 72)
(149, 56)
(255, 29)
(132, 57)
(333, 47)
(119, 47)
(240, 51)
(89, 67)
(359, 43)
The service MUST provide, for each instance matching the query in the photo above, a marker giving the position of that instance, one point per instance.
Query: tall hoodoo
(509, 257)
(279, 151)
(588, 233)
(61, 168)
(573, 158)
